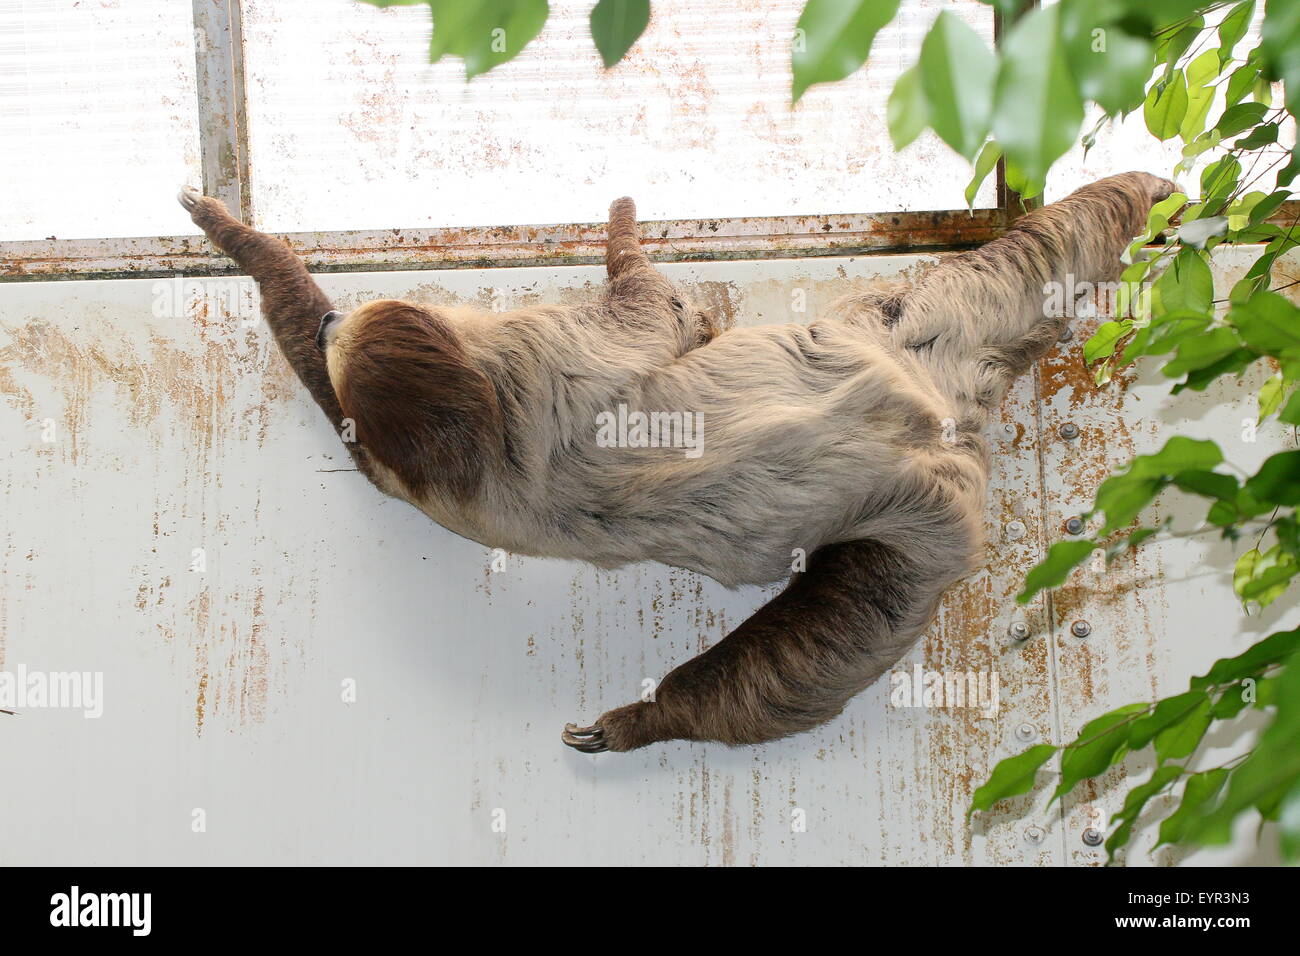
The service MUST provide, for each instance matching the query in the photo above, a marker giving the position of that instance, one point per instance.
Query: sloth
(855, 439)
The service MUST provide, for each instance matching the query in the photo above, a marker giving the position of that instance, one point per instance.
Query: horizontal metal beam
(505, 246)
(479, 247)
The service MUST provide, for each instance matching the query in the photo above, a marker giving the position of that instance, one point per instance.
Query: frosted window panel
(98, 117)
(352, 128)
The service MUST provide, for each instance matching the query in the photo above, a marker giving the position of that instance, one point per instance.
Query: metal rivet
(1074, 525)
(1093, 837)
(1068, 431)
(1018, 630)
(1026, 732)
(1015, 530)
(1080, 628)
(1009, 430)
(1035, 835)
(1067, 333)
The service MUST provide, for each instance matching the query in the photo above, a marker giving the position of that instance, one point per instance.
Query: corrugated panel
(351, 128)
(98, 116)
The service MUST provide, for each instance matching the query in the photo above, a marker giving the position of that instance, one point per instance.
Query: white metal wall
(223, 688)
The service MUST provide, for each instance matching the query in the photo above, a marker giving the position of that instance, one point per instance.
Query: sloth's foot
(589, 740)
(204, 210)
(625, 728)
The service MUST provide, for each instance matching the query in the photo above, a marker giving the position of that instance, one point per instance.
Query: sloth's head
(421, 407)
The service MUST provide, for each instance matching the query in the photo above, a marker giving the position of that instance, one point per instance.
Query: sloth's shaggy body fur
(855, 439)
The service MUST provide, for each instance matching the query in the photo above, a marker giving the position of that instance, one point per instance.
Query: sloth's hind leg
(641, 297)
(795, 663)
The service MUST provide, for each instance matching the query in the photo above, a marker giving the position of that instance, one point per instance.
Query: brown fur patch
(420, 407)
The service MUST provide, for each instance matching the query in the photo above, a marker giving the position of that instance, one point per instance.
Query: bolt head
(1015, 530)
(1080, 628)
(1093, 837)
(1018, 630)
(1074, 525)
(1068, 431)
(1026, 732)
(1035, 835)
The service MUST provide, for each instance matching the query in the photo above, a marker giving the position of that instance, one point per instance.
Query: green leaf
(1208, 484)
(1200, 72)
(1201, 378)
(1264, 577)
(1259, 137)
(1171, 46)
(1135, 802)
(1037, 108)
(1267, 322)
(1171, 328)
(1103, 342)
(1110, 65)
(1202, 352)
(1011, 777)
(1278, 479)
(1218, 181)
(1288, 825)
(1266, 207)
(1272, 650)
(1240, 83)
(1279, 42)
(1101, 744)
(1052, 571)
(988, 159)
(1233, 27)
(907, 113)
(1201, 790)
(957, 75)
(833, 39)
(1179, 454)
(1181, 737)
(1291, 412)
(484, 33)
(1239, 118)
(1187, 285)
(616, 25)
(1270, 396)
(1166, 106)
(1166, 713)
(1273, 764)
(1124, 495)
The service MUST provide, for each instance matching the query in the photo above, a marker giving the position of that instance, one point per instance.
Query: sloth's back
(732, 459)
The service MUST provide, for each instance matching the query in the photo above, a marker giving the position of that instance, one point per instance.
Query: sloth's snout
(326, 321)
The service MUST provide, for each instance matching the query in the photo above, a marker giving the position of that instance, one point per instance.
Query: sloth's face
(402, 375)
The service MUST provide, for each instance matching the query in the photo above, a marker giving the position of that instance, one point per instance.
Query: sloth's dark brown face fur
(420, 407)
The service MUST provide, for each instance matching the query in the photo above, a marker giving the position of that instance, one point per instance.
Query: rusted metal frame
(222, 103)
(506, 246)
(555, 245)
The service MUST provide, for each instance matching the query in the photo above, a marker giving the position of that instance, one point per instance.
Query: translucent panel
(352, 128)
(1127, 144)
(98, 117)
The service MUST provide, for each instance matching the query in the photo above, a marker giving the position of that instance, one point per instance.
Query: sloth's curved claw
(587, 740)
(189, 197)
